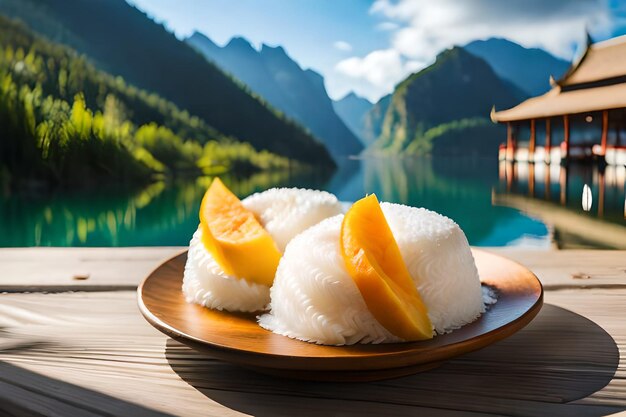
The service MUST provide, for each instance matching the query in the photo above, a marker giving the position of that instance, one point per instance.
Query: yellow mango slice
(235, 238)
(374, 262)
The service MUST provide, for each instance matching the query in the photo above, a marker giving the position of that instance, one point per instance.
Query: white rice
(284, 212)
(205, 283)
(315, 299)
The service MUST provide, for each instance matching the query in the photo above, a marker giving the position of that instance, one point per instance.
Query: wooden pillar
(509, 142)
(563, 185)
(531, 179)
(605, 131)
(548, 144)
(601, 185)
(547, 183)
(566, 135)
(510, 171)
(531, 144)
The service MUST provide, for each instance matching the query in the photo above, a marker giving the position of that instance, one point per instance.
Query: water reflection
(460, 188)
(159, 214)
(587, 198)
(166, 213)
(584, 202)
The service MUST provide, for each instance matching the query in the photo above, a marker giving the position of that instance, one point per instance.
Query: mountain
(65, 123)
(352, 110)
(373, 120)
(278, 79)
(121, 39)
(448, 99)
(528, 68)
(81, 77)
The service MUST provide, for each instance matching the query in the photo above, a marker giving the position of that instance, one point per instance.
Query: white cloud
(375, 74)
(420, 29)
(342, 46)
(433, 26)
(387, 26)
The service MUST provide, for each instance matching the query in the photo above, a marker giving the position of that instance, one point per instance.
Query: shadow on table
(558, 358)
(27, 393)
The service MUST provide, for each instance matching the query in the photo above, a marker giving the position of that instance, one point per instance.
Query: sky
(367, 47)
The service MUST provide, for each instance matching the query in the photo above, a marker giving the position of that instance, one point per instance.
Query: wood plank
(55, 269)
(576, 268)
(93, 352)
(83, 269)
(608, 309)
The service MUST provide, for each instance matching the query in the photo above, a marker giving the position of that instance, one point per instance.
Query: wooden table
(71, 346)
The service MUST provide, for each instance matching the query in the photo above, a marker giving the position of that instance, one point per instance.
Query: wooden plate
(238, 339)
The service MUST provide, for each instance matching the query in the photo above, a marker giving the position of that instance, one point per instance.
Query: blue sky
(369, 46)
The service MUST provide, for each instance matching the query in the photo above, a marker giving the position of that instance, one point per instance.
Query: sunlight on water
(587, 198)
(474, 193)
(582, 203)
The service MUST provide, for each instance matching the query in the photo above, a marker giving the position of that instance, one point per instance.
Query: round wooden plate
(237, 338)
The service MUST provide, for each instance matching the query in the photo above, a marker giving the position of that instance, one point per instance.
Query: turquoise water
(166, 213)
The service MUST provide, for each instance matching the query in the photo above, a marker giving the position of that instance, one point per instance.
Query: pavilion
(585, 111)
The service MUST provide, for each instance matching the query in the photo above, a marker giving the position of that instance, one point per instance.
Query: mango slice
(374, 262)
(235, 238)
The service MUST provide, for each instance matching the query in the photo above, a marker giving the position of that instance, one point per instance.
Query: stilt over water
(585, 110)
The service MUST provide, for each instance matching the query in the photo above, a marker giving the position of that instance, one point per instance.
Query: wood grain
(91, 353)
(57, 269)
(72, 344)
(576, 268)
(53, 269)
(239, 339)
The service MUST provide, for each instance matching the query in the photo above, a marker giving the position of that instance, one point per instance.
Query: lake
(496, 204)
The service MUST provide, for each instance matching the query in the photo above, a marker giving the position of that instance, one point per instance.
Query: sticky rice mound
(314, 298)
(205, 283)
(284, 213)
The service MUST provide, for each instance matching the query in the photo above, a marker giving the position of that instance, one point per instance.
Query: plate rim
(239, 355)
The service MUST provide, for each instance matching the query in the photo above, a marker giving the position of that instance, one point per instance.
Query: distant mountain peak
(240, 43)
(269, 48)
(314, 74)
(457, 90)
(353, 109)
(352, 96)
(529, 69)
(200, 35)
(506, 42)
(454, 52)
(447, 51)
(277, 60)
(273, 50)
(455, 55)
(300, 94)
(496, 40)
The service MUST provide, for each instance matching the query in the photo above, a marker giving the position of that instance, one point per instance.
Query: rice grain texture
(284, 213)
(314, 298)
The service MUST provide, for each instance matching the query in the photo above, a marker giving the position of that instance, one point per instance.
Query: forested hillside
(64, 122)
(154, 59)
(373, 120)
(274, 75)
(449, 99)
